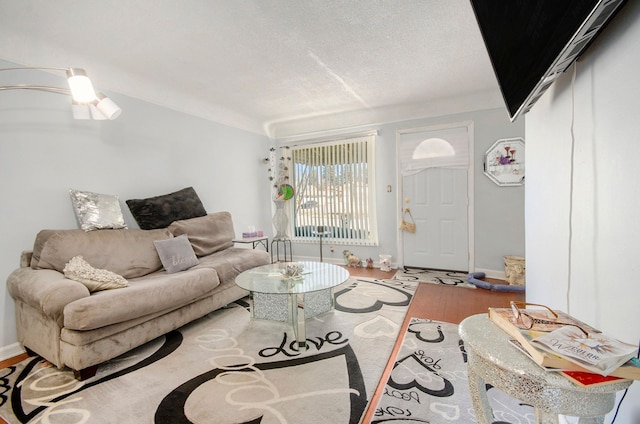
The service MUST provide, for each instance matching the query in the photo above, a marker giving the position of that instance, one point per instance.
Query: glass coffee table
(279, 297)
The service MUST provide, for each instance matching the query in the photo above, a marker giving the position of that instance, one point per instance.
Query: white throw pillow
(95, 279)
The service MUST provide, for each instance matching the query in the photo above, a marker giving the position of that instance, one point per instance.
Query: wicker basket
(514, 270)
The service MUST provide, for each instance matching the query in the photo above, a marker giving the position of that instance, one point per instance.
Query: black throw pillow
(160, 211)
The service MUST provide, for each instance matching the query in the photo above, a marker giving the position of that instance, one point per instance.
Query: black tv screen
(531, 42)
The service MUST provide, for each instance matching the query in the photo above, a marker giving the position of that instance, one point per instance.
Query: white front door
(439, 199)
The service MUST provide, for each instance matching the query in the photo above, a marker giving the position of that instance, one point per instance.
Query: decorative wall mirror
(504, 162)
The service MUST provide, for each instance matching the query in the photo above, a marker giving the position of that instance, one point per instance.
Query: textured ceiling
(276, 67)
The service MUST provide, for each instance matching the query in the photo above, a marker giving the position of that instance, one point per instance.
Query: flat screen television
(532, 42)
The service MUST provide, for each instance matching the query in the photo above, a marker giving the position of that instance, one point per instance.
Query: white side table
(493, 360)
(255, 241)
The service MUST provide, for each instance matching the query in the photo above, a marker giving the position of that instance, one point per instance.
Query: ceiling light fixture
(85, 103)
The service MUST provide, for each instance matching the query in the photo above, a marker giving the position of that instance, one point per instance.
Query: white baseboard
(7, 352)
(336, 261)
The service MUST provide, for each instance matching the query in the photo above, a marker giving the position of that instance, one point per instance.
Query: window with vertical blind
(335, 191)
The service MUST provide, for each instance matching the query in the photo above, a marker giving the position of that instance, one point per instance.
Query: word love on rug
(432, 276)
(429, 384)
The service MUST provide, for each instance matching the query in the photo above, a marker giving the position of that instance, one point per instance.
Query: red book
(586, 379)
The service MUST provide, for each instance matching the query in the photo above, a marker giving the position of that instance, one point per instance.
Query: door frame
(470, 187)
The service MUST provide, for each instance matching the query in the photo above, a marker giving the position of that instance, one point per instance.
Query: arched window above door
(445, 148)
(433, 148)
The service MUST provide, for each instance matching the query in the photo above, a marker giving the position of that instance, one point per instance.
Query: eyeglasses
(527, 322)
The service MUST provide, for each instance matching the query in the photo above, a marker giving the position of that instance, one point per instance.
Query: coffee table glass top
(271, 279)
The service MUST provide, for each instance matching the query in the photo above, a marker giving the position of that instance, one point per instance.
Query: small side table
(492, 360)
(320, 234)
(286, 248)
(255, 241)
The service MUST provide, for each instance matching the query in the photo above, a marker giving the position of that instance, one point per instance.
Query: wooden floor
(440, 303)
(8, 362)
(437, 302)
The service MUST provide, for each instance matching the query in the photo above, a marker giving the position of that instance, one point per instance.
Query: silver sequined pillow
(97, 211)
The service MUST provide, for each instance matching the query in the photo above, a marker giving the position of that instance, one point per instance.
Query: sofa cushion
(96, 211)
(127, 252)
(207, 234)
(176, 254)
(94, 279)
(144, 296)
(160, 211)
(228, 263)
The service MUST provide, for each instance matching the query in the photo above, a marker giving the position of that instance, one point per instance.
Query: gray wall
(582, 224)
(147, 151)
(499, 211)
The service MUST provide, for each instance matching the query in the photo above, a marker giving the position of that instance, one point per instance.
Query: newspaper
(598, 353)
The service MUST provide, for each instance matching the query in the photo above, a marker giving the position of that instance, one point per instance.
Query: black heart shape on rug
(447, 278)
(172, 407)
(375, 303)
(412, 373)
(423, 330)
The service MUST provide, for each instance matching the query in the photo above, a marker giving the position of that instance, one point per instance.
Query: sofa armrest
(46, 290)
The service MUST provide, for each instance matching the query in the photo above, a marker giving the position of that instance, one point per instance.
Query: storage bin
(514, 270)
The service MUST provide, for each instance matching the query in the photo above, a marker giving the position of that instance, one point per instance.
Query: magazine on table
(580, 378)
(597, 353)
(503, 318)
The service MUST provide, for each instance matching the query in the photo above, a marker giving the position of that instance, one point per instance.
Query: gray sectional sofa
(61, 320)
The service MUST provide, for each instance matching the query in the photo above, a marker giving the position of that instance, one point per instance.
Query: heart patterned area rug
(428, 383)
(229, 368)
(422, 275)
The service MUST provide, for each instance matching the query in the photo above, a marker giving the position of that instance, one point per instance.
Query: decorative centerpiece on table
(293, 270)
(282, 190)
